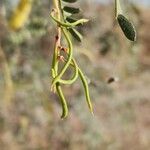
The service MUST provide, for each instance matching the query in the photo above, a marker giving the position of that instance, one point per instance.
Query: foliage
(66, 24)
(65, 27)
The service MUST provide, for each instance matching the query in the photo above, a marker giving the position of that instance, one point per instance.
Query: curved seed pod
(71, 10)
(69, 1)
(75, 34)
(74, 78)
(85, 85)
(127, 27)
(63, 101)
(86, 89)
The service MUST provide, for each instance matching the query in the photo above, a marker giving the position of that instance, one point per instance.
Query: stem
(55, 62)
(118, 9)
(69, 58)
(57, 38)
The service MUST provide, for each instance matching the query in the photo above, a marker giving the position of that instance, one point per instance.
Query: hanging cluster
(66, 25)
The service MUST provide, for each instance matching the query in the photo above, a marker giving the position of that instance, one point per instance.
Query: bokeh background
(30, 113)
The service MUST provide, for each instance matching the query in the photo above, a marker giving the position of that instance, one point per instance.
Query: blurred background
(30, 113)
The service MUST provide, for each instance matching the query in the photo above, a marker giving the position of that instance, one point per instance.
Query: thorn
(61, 58)
(59, 47)
(56, 37)
(64, 49)
(54, 10)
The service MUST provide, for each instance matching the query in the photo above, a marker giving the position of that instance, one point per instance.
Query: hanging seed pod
(69, 1)
(75, 34)
(127, 27)
(71, 10)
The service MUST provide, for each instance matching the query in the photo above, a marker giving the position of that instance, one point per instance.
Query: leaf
(127, 27)
(69, 1)
(75, 34)
(71, 10)
(71, 20)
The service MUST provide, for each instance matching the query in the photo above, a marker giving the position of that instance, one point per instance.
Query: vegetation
(65, 27)
(66, 24)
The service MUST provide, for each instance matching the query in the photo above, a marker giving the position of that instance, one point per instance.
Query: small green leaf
(75, 34)
(72, 20)
(71, 10)
(127, 27)
(69, 1)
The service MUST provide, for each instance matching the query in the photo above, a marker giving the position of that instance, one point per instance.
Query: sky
(145, 2)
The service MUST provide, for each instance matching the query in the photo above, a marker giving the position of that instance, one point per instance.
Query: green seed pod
(69, 1)
(75, 34)
(127, 27)
(71, 10)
